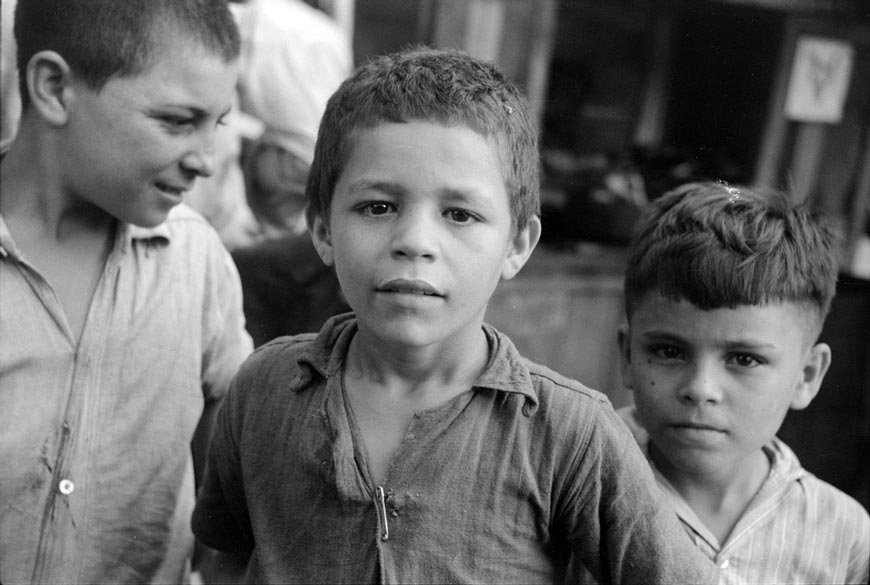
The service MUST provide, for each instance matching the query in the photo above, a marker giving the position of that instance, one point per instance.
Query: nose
(701, 385)
(415, 235)
(200, 158)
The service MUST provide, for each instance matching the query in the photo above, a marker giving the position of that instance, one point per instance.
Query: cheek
(650, 390)
(646, 377)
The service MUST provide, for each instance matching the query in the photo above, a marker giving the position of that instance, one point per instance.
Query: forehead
(776, 322)
(425, 152)
(181, 72)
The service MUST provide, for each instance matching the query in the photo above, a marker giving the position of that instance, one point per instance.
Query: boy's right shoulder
(548, 380)
(279, 359)
(289, 363)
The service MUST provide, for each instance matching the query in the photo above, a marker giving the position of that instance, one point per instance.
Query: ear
(623, 340)
(49, 82)
(815, 366)
(523, 245)
(322, 240)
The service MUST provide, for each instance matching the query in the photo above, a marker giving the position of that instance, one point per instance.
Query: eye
(177, 123)
(667, 352)
(375, 208)
(745, 360)
(460, 215)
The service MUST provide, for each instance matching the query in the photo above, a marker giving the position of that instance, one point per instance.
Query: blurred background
(632, 97)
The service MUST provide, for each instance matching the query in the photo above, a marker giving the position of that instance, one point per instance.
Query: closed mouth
(177, 191)
(697, 427)
(410, 287)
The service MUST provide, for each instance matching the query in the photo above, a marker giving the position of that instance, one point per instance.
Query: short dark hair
(719, 246)
(448, 87)
(101, 39)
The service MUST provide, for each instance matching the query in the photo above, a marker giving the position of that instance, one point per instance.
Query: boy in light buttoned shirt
(120, 311)
(726, 291)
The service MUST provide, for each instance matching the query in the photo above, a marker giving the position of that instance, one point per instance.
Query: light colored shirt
(294, 57)
(797, 528)
(502, 484)
(10, 99)
(96, 477)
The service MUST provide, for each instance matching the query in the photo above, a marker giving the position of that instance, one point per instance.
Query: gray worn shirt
(503, 484)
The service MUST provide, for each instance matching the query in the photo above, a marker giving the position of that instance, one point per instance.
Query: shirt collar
(124, 239)
(7, 245)
(505, 370)
(129, 233)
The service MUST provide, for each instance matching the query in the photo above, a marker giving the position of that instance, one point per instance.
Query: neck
(719, 498)
(418, 370)
(34, 194)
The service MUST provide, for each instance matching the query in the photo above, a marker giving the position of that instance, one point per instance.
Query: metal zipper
(383, 509)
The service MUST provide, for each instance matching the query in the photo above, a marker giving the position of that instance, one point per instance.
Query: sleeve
(226, 343)
(858, 570)
(616, 519)
(220, 518)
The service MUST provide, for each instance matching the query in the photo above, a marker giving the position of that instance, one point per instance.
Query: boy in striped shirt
(726, 292)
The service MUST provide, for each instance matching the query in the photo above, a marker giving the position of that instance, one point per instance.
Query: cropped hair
(447, 87)
(718, 246)
(102, 39)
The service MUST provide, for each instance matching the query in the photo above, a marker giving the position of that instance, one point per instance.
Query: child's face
(712, 387)
(139, 143)
(420, 231)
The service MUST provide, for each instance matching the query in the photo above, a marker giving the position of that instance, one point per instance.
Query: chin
(406, 332)
(148, 219)
(148, 223)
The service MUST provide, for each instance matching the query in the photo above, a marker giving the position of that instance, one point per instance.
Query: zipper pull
(383, 509)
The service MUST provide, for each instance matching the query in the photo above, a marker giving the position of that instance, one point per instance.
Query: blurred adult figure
(294, 57)
(10, 100)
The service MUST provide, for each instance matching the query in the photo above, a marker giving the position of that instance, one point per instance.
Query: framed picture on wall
(819, 80)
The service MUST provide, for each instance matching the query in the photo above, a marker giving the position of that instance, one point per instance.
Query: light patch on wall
(819, 80)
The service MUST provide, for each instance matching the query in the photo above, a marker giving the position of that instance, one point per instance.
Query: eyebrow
(193, 111)
(381, 186)
(662, 336)
(390, 188)
(657, 335)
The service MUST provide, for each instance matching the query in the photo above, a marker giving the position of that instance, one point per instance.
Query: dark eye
(745, 360)
(177, 122)
(376, 208)
(667, 352)
(460, 216)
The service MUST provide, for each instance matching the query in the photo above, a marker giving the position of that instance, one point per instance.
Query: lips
(409, 287)
(173, 190)
(694, 426)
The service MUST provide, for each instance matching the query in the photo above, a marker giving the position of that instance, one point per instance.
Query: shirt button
(725, 563)
(66, 487)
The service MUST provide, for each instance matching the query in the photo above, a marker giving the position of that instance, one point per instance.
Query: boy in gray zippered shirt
(408, 441)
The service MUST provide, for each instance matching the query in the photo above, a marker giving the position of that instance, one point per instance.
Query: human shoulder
(833, 502)
(837, 524)
(184, 221)
(548, 382)
(542, 387)
(278, 359)
(824, 506)
(292, 362)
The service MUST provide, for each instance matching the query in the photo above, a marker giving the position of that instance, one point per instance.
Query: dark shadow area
(832, 436)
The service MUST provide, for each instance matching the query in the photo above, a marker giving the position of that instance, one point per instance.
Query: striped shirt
(797, 528)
